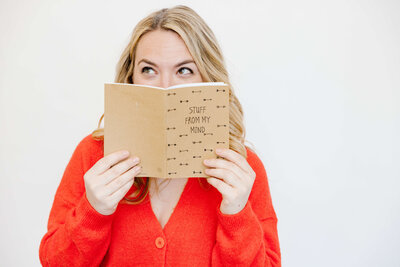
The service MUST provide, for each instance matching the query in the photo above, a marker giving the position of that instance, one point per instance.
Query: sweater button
(160, 242)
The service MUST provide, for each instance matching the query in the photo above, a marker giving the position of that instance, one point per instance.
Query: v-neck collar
(170, 225)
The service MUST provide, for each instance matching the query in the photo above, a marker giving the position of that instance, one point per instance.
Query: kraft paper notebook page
(171, 130)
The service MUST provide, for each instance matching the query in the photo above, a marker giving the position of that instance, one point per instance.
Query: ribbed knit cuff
(243, 221)
(239, 236)
(86, 220)
(233, 222)
(88, 230)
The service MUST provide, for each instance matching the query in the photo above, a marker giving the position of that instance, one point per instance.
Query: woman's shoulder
(90, 150)
(89, 144)
(261, 180)
(254, 160)
(260, 195)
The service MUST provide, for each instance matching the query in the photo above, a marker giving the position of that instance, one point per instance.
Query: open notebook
(172, 130)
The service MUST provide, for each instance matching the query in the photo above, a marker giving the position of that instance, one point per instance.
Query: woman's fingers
(236, 158)
(111, 177)
(121, 192)
(224, 164)
(118, 170)
(226, 175)
(233, 178)
(221, 186)
(108, 161)
(120, 181)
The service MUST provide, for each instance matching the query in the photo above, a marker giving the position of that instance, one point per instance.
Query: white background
(319, 82)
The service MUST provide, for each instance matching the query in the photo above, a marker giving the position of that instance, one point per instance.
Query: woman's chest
(136, 229)
(165, 198)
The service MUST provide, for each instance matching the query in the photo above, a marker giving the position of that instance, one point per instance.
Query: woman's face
(163, 60)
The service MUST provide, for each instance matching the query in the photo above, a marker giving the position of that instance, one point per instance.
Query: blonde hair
(206, 53)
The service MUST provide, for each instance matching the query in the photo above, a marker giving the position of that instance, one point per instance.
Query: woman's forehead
(162, 47)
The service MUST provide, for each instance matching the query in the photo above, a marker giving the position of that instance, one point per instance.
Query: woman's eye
(147, 70)
(185, 71)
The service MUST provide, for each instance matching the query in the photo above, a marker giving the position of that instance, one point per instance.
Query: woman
(103, 215)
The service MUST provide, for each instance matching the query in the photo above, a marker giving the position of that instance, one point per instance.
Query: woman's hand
(108, 181)
(235, 182)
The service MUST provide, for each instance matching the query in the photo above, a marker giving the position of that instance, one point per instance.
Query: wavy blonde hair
(206, 53)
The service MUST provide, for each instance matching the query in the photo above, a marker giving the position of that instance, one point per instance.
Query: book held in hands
(172, 130)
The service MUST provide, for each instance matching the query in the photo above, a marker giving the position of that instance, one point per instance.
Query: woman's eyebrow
(184, 62)
(147, 61)
(177, 65)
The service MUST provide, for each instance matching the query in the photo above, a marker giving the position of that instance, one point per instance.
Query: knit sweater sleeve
(250, 237)
(77, 235)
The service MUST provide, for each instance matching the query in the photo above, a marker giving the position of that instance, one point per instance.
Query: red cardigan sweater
(197, 233)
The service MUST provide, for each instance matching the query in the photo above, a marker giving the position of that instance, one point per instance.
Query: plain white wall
(318, 80)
